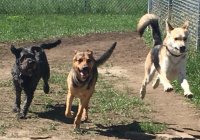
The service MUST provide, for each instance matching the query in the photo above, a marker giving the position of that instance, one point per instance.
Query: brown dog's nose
(85, 68)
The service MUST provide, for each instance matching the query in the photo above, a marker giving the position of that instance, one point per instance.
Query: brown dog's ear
(90, 52)
(169, 27)
(75, 51)
(186, 25)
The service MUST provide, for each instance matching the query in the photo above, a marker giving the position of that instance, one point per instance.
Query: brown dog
(81, 82)
(167, 58)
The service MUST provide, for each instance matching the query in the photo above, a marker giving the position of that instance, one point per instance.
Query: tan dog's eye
(185, 38)
(176, 38)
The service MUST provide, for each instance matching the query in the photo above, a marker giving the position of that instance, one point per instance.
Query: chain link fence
(72, 6)
(178, 11)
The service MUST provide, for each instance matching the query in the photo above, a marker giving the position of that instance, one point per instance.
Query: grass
(38, 7)
(23, 20)
(31, 27)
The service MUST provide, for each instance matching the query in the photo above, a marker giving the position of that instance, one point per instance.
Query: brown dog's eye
(89, 60)
(80, 60)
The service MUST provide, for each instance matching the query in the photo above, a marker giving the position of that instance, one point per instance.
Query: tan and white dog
(167, 58)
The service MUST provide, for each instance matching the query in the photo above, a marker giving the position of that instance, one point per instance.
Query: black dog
(31, 65)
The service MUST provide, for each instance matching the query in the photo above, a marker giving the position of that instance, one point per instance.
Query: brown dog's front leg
(69, 101)
(82, 105)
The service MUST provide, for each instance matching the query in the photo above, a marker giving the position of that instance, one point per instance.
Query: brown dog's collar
(171, 52)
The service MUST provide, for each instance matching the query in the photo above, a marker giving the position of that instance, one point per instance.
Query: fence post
(198, 30)
(169, 10)
(85, 6)
(149, 6)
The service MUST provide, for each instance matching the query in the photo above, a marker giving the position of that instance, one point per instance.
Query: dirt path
(128, 62)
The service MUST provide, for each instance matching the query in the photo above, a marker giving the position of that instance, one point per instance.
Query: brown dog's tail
(150, 19)
(50, 45)
(106, 55)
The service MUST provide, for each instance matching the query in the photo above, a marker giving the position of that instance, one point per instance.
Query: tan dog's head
(83, 63)
(176, 38)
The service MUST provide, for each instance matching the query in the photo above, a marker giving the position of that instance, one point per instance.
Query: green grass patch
(30, 27)
(193, 75)
(38, 7)
(151, 127)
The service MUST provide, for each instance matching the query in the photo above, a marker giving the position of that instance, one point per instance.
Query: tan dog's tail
(106, 55)
(150, 19)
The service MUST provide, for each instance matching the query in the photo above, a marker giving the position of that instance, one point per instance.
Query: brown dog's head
(176, 38)
(83, 63)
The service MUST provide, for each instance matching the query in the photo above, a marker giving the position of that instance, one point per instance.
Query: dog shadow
(57, 113)
(128, 131)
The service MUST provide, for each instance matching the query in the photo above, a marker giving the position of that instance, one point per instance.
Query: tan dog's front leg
(166, 83)
(69, 101)
(185, 86)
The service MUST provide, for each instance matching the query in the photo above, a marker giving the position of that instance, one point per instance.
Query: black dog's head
(26, 59)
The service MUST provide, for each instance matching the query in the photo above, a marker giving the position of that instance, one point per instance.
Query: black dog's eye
(22, 58)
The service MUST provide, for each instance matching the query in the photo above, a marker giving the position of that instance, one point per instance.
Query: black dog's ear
(36, 49)
(15, 51)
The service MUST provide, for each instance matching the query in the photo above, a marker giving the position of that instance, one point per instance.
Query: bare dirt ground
(127, 61)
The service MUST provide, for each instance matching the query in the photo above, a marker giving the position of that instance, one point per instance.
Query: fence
(178, 11)
(72, 6)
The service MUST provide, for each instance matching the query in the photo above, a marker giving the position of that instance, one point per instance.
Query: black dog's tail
(150, 19)
(50, 45)
(106, 55)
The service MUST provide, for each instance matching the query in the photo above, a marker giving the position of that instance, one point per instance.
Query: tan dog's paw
(156, 83)
(142, 93)
(188, 95)
(168, 88)
(69, 115)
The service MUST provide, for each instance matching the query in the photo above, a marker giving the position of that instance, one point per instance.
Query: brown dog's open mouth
(84, 73)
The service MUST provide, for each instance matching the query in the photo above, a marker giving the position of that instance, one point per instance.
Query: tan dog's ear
(186, 25)
(169, 27)
(90, 52)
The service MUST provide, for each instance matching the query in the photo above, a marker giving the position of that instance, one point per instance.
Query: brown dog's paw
(69, 115)
(84, 118)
